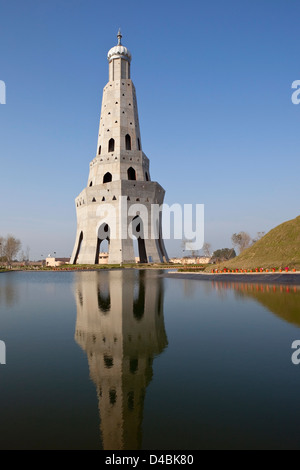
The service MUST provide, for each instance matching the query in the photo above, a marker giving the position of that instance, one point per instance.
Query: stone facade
(120, 169)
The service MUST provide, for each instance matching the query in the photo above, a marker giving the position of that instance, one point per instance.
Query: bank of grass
(197, 268)
(280, 248)
(81, 267)
(97, 267)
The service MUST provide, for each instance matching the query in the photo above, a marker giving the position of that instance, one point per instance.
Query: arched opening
(103, 300)
(139, 144)
(103, 243)
(108, 361)
(127, 142)
(99, 150)
(112, 396)
(133, 365)
(160, 242)
(107, 178)
(111, 145)
(147, 176)
(131, 174)
(91, 184)
(138, 232)
(162, 248)
(78, 247)
(139, 297)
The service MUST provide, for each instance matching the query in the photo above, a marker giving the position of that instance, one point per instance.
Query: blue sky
(213, 81)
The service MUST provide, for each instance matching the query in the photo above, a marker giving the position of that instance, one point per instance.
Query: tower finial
(119, 36)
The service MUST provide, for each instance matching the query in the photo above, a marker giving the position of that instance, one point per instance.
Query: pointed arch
(127, 142)
(103, 234)
(111, 145)
(104, 300)
(138, 232)
(107, 178)
(131, 174)
(99, 150)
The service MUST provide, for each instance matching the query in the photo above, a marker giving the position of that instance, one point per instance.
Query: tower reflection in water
(120, 326)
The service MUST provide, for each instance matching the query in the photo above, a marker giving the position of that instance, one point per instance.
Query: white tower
(119, 172)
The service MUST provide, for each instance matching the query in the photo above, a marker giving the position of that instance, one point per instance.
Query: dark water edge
(276, 278)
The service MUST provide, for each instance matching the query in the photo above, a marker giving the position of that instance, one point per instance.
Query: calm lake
(130, 359)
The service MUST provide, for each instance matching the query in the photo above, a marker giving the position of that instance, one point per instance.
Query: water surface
(128, 359)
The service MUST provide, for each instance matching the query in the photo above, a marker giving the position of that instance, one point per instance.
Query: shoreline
(265, 278)
(286, 278)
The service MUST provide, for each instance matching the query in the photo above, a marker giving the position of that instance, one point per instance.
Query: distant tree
(25, 255)
(223, 254)
(259, 235)
(206, 249)
(11, 248)
(242, 240)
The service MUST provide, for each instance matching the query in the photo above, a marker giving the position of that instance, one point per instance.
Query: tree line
(240, 241)
(9, 249)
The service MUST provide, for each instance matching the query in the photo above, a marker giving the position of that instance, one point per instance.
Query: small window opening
(131, 174)
(107, 178)
(127, 142)
(111, 145)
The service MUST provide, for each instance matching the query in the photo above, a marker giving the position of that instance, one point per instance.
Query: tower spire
(119, 36)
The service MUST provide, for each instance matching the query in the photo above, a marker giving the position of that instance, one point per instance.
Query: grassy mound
(279, 248)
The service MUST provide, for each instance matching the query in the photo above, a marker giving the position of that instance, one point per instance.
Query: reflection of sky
(229, 372)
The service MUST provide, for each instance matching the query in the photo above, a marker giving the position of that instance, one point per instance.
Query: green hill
(279, 248)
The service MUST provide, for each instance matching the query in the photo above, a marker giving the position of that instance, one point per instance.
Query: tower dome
(119, 51)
